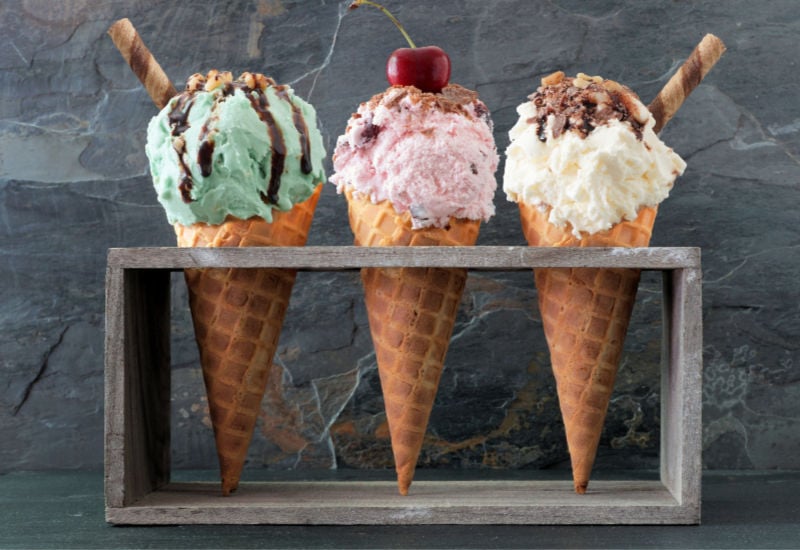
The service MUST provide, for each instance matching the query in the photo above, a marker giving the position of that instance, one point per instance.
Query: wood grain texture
(114, 425)
(336, 258)
(432, 502)
(681, 387)
(137, 384)
(137, 404)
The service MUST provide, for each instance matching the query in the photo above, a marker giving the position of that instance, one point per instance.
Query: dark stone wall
(74, 182)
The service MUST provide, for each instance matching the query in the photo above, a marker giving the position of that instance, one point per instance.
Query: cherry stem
(397, 24)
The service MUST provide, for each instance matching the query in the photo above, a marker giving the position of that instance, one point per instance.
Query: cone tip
(229, 487)
(403, 485)
(580, 487)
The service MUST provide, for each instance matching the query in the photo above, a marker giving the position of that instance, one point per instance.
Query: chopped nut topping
(553, 79)
(221, 79)
(215, 79)
(264, 81)
(195, 82)
(179, 143)
(249, 80)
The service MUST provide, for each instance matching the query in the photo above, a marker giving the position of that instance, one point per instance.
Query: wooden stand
(138, 489)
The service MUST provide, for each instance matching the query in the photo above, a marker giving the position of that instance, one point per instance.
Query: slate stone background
(74, 182)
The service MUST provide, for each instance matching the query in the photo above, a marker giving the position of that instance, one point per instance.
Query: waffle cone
(238, 314)
(585, 314)
(411, 314)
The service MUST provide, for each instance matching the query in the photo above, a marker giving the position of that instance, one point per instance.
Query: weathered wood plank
(140, 338)
(333, 258)
(691, 363)
(430, 502)
(114, 425)
(681, 387)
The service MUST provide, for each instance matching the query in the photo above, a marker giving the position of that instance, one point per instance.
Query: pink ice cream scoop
(430, 154)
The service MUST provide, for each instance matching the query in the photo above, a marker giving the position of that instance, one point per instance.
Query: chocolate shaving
(567, 107)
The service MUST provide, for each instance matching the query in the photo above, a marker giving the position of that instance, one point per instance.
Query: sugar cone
(585, 313)
(411, 314)
(238, 314)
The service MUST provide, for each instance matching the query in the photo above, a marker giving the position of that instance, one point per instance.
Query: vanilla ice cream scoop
(585, 149)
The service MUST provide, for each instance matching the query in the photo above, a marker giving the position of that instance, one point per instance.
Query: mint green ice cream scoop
(233, 147)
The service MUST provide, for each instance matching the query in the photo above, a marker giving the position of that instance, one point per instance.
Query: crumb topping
(582, 103)
(452, 99)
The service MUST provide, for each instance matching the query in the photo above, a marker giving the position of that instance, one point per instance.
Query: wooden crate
(138, 488)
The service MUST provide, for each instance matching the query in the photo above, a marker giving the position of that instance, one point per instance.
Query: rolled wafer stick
(686, 79)
(142, 62)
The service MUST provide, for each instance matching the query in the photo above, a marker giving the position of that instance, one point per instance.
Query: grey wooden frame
(138, 489)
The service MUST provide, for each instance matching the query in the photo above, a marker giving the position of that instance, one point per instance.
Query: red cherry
(427, 68)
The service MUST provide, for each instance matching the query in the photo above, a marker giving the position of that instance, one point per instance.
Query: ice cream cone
(585, 314)
(238, 314)
(584, 154)
(411, 314)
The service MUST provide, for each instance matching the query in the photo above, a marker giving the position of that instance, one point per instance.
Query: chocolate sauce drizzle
(206, 150)
(178, 117)
(178, 121)
(302, 129)
(261, 105)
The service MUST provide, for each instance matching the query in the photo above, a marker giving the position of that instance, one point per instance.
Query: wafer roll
(685, 80)
(142, 62)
